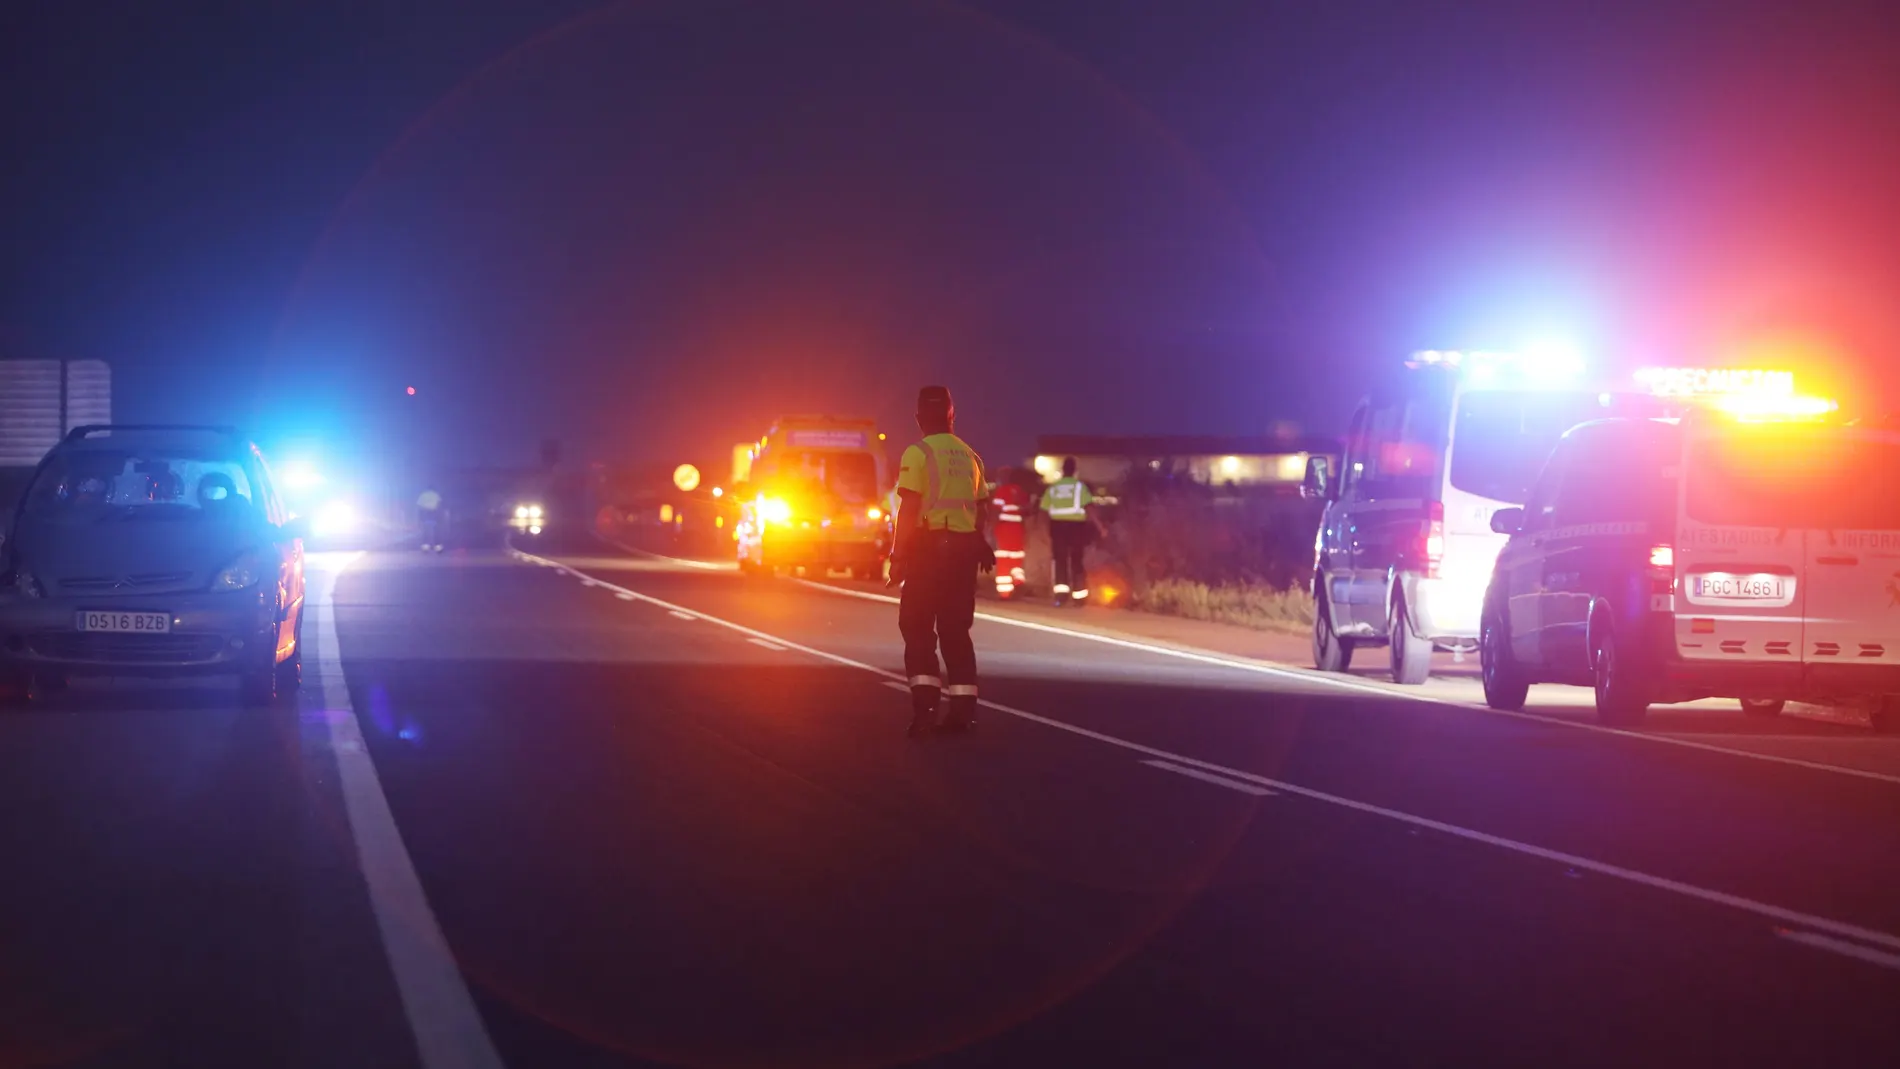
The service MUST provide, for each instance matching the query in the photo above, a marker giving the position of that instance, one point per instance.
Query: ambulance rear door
(1853, 562)
(1741, 547)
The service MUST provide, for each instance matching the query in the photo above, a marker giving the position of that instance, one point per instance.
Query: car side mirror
(293, 529)
(1317, 485)
(1507, 521)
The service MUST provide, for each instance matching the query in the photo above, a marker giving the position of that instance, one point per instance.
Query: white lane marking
(1841, 946)
(448, 1029)
(1576, 861)
(902, 688)
(589, 583)
(1330, 680)
(1209, 777)
(675, 615)
(763, 644)
(623, 597)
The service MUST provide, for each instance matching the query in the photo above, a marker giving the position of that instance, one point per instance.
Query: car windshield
(1825, 478)
(140, 484)
(1502, 437)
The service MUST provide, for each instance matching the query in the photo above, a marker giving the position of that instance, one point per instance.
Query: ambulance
(812, 499)
(1405, 546)
(1749, 549)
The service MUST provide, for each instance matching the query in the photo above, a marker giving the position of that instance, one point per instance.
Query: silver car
(156, 551)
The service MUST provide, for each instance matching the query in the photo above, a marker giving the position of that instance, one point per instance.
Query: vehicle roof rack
(88, 430)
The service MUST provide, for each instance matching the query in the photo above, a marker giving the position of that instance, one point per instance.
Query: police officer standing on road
(938, 550)
(1067, 502)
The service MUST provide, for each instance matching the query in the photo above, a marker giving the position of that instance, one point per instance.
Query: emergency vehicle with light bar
(1749, 549)
(1405, 545)
(811, 500)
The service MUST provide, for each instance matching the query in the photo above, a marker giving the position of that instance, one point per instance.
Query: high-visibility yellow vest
(1067, 500)
(948, 476)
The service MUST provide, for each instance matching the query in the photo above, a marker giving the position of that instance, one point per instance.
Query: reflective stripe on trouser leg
(1079, 594)
(1062, 588)
(926, 681)
(961, 690)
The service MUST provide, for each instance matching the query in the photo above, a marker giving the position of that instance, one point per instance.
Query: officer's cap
(934, 399)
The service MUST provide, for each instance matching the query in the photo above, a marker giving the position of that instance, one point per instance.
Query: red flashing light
(411, 391)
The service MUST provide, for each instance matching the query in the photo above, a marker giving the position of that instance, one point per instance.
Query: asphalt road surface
(573, 807)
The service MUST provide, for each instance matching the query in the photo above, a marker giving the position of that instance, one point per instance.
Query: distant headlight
(241, 574)
(534, 512)
(521, 512)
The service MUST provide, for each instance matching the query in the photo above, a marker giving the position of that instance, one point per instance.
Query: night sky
(649, 227)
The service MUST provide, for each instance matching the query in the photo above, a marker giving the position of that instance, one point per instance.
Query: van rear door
(1741, 547)
(1853, 550)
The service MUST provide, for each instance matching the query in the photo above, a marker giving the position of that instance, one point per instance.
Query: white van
(1405, 546)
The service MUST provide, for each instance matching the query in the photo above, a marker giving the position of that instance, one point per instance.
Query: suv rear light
(1662, 557)
(1434, 538)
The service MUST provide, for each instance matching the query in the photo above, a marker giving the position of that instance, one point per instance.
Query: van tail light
(1434, 548)
(1662, 569)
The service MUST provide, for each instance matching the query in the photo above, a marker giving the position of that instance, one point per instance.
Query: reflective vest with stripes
(948, 476)
(1067, 500)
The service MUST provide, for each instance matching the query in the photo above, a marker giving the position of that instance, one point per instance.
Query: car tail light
(1434, 538)
(1662, 557)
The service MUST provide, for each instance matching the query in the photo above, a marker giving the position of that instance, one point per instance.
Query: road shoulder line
(448, 1029)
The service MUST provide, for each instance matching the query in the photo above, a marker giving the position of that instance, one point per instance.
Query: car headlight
(241, 574)
(534, 512)
(776, 510)
(521, 512)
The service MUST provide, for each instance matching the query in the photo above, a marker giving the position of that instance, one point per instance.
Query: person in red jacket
(1009, 501)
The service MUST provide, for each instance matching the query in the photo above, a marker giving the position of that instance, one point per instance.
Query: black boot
(923, 711)
(962, 716)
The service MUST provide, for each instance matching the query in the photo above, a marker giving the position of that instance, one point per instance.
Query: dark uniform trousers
(1067, 541)
(937, 608)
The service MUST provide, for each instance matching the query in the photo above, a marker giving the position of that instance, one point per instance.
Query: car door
(1523, 563)
(1334, 556)
(1386, 524)
(1586, 517)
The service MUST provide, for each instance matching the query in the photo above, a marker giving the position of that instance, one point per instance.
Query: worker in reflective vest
(1008, 499)
(1066, 502)
(937, 552)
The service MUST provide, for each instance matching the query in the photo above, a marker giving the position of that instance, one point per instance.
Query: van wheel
(1331, 653)
(1763, 706)
(1411, 655)
(1622, 692)
(1504, 684)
